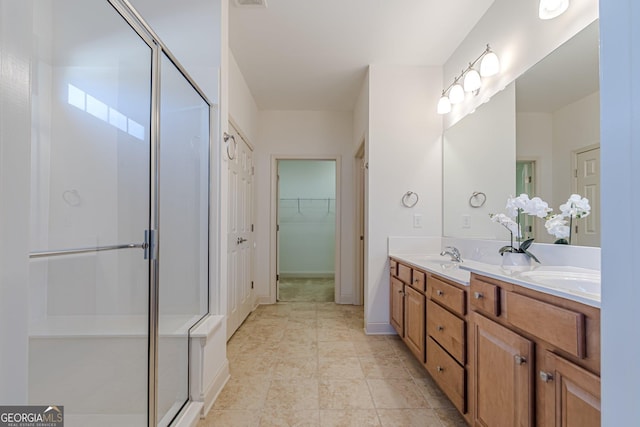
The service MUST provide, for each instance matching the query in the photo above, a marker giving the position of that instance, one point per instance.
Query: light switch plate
(466, 221)
(417, 220)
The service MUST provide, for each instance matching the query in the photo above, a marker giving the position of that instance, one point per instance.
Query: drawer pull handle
(520, 360)
(441, 328)
(439, 368)
(416, 280)
(545, 376)
(439, 293)
(478, 295)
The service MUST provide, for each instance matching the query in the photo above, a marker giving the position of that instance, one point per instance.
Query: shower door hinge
(251, 227)
(252, 284)
(277, 277)
(575, 173)
(253, 170)
(149, 244)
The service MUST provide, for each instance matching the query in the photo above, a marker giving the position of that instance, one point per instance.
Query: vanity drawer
(447, 373)
(558, 326)
(404, 273)
(447, 329)
(485, 297)
(419, 280)
(393, 267)
(446, 295)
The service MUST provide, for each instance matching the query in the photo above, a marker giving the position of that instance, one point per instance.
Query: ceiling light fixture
(471, 79)
(550, 9)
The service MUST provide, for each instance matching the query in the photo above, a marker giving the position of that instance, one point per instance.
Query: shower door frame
(158, 48)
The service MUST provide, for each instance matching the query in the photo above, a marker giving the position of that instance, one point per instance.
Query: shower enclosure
(119, 217)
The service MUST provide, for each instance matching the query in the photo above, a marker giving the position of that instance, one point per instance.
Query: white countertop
(573, 283)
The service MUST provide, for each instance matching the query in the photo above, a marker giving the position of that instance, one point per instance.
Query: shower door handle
(240, 240)
(148, 246)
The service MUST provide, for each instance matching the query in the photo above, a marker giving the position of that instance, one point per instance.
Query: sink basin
(444, 262)
(585, 283)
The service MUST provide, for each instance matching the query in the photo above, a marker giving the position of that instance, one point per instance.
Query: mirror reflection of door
(525, 183)
(306, 230)
(587, 230)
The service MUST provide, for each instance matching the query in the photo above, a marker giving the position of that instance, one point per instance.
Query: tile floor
(319, 289)
(310, 364)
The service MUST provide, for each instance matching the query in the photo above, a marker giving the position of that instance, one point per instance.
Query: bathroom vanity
(505, 349)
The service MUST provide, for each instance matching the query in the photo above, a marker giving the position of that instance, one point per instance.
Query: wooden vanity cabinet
(535, 356)
(408, 306)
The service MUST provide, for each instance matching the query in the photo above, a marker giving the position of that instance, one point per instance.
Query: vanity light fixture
(550, 9)
(471, 79)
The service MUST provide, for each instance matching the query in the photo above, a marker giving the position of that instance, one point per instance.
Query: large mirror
(539, 136)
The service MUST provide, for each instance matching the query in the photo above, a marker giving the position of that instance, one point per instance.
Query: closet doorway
(306, 230)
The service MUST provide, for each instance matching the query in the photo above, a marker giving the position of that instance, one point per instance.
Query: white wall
(520, 39)
(307, 217)
(479, 156)
(15, 136)
(303, 134)
(404, 154)
(243, 111)
(620, 102)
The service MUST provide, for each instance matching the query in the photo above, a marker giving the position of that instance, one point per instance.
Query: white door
(587, 230)
(240, 237)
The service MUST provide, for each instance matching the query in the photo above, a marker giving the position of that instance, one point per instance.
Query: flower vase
(516, 261)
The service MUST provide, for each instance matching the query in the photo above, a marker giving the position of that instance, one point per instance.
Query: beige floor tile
(301, 335)
(450, 417)
(336, 349)
(305, 367)
(286, 418)
(344, 394)
(348, 418)
(329, 334)
(413, 366)
(292, 395)
(297, 350)
(408, 418)
(250, 366)
(294, 322)
(433, 394)
(243, 393)
(396, 394)
(339, 367)
(383, 367)
(230, 418)
(379, 348)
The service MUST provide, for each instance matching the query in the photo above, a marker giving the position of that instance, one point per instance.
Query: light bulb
(550, 9)
(472, 81)
(456, 94)
(490, 65)
(444, 104)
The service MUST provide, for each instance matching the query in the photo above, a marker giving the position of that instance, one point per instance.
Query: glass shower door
(90, 207)
(183, 238)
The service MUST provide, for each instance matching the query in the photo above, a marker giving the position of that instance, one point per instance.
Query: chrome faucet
(453, 252)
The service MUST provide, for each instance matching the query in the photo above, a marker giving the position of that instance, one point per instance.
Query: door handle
(240, 240)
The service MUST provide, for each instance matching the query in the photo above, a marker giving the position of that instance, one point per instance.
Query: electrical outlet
(417, 221)
(466, 221)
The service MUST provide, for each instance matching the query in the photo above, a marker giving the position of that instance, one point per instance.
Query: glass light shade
(550, 9)
(490, 65)
(456, 94)
(472, 81)
(444, 105)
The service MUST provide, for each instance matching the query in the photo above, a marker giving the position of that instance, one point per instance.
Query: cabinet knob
(439, 368)
(478, 295)
(440, 328)
(439, 293)
(520, 360)
(416, 280)
(546, 376)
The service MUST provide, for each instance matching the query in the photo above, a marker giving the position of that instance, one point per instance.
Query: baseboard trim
(379, 329)
(190, 415)
(216, 387)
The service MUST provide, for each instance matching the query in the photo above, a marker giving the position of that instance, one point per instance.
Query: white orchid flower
(537, 207)
(576, 207)
(516, 204)
(507, 223)
(557, 226)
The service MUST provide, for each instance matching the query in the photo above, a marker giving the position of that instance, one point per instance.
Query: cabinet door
(397, 306)
(414, 312)
(572, 395)
(503, 373)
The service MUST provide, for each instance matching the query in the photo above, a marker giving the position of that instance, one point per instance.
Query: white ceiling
(313, 54)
